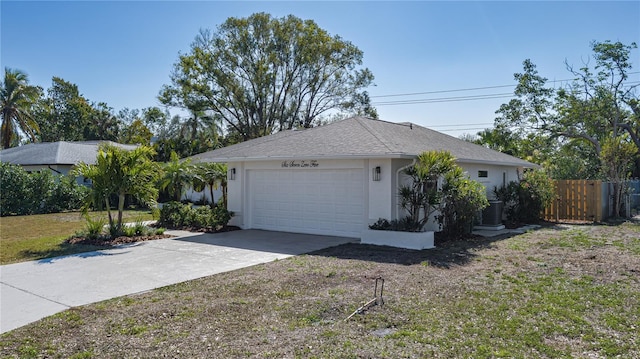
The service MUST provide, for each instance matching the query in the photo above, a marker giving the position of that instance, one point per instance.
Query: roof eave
(306, 157)
(499, 163)
(357, 157)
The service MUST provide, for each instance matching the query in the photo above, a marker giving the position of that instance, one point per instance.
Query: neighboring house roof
(56, 153)
(358, 137)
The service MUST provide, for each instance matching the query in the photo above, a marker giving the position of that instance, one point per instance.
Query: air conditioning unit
(492, 215)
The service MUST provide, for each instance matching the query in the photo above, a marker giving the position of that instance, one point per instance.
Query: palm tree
(121, 172)
(176, 176)
(211, 175)
(17, 98)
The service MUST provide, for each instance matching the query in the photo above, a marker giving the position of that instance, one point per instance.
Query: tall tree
(596, 106)
(102, 124)
(599, 108)
(261, 74)
(156, 120)
(136, 133)
(63, 113)
(17, 99)
(600, 104)
(66, 115)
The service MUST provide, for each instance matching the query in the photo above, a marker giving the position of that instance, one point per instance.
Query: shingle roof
(357, 137)
(55, 153)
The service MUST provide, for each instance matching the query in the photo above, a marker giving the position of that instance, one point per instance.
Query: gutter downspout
(56, 171)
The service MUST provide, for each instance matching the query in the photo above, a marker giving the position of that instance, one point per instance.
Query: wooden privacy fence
(576, 200)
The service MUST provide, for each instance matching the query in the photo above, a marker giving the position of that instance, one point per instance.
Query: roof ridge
(362, 120)
(58, 146)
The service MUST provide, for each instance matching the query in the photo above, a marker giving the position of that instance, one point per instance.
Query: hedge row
(23, 192)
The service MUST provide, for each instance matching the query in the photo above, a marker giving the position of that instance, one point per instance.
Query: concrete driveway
(33, 290)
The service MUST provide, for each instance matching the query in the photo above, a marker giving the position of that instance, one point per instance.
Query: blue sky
(122, 52)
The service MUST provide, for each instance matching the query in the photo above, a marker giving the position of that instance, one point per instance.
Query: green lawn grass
(25, 238)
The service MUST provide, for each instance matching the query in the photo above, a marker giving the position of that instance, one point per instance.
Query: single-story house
(57, 157)
(339, 178)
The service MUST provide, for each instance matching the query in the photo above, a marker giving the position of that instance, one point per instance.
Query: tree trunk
(106, 202)
(225, 197)
(121, 197)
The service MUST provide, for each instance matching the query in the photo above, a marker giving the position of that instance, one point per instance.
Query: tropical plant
(176, 175)
(462, 199)
(94, 227)
(421, 197)
(526, 199)
(17, 98)
(211, 175)
(120, 172)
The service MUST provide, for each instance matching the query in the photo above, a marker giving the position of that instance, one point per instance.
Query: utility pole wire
(443, 99)
(457, 98)
(473, 88)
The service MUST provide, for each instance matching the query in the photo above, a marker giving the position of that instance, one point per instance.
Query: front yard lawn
(560, 292)
(25, 238)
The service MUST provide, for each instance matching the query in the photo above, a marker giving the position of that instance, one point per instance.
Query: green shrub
(40, 186)
(66, 195)
(221, 216)
(173, 214)
(526, 199)
(405, 224)
(114, 230)
(22, 192)
(94, 227)
(13, 187)
(381, 225)
(178, 215)
(462, 199)
(202, 217)
(129, 231)
(140, 229)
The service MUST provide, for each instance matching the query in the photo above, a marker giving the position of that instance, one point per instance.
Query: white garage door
(329, 202)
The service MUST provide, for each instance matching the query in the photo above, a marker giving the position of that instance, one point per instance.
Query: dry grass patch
(552, 293)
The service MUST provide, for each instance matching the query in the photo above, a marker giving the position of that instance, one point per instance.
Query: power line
(473, 88)
(444, 99)
(461, 129)
(459, 98)
(463, 124)
(444, 91)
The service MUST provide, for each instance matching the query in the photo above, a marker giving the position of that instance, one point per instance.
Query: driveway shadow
(52, 257)
(268, 241)
(446, 254)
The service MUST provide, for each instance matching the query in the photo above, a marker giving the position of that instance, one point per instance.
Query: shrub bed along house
(453, 203)
(179, 215)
